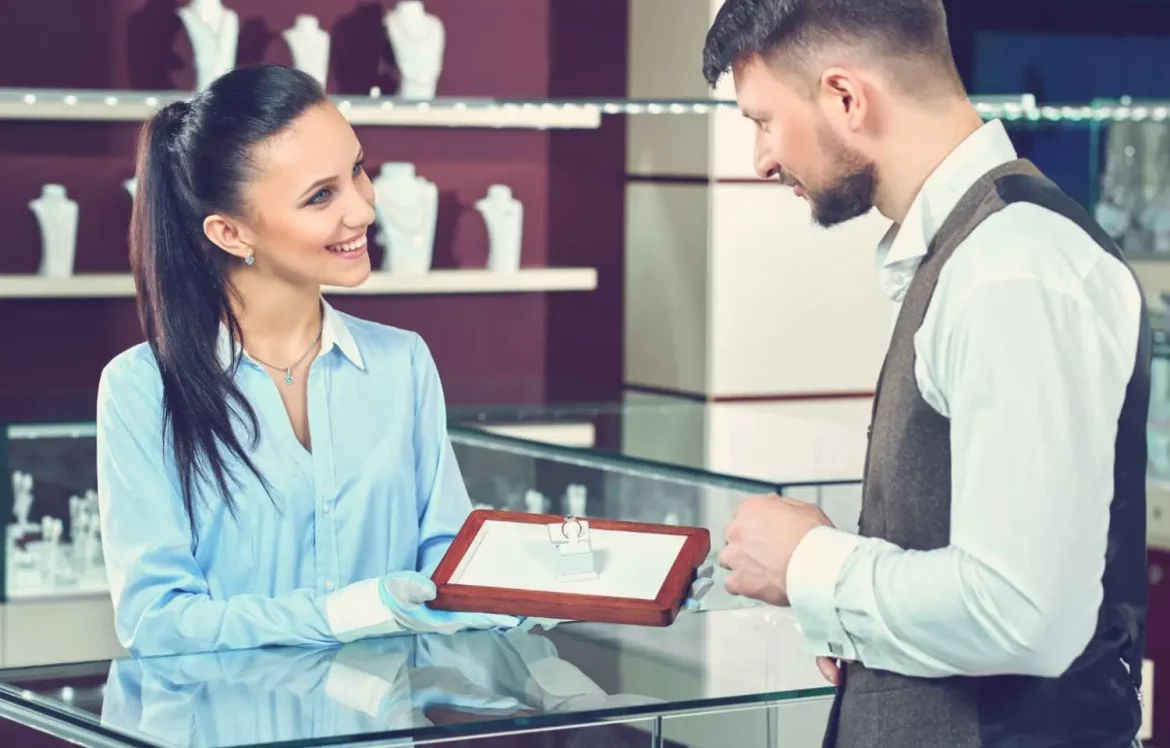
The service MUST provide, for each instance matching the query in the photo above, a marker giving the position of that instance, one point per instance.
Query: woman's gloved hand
(397, 604)
(406, 593)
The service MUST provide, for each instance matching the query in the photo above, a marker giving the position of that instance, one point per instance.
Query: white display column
(731, 290)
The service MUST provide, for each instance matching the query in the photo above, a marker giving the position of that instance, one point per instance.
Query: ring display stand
(551, 566)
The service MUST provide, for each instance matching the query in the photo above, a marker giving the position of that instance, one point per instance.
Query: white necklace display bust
(57, 216)
(214, 31)
(309, 44)
(534, 502)
(22, 500)
(407, 206)
(418, 39)
(504, 216)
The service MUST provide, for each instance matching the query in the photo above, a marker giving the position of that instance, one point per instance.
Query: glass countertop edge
(47, 718)
(481, 437)
(583, 457)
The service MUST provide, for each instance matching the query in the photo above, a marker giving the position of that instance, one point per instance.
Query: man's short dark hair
(905, 33)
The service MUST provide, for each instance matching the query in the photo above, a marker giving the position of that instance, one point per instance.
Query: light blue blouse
(380, 492)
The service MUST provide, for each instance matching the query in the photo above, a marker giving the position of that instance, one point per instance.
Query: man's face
(794, 142)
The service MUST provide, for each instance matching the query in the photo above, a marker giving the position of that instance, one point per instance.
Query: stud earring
(250, 259)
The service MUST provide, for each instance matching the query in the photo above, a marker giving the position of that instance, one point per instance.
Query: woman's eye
(320, 196)
(358, 168)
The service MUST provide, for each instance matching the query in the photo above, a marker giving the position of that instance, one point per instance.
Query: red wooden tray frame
(661, 611)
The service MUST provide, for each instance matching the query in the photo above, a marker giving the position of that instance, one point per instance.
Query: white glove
(396, 604)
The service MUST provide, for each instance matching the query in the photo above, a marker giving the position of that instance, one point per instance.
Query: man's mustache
(783, 177)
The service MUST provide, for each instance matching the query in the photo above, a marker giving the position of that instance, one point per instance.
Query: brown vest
(906, 500)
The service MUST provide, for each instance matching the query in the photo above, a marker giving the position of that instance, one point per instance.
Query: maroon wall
(489, 348)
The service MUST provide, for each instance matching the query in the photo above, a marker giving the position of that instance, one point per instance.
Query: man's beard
(851, 194)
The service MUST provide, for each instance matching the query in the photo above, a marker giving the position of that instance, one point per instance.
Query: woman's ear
(225, 233)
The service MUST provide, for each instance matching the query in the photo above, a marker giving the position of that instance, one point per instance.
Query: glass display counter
(56, 603)
(53, 534)
(1131, 175)
(1159, 431)
(753, 441)
(49, 498)
(579, 684)
(810, 451)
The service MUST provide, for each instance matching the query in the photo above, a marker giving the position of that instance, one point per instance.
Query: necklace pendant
(288, 379)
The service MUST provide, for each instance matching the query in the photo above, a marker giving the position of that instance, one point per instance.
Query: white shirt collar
(335, 333)
(982, 151)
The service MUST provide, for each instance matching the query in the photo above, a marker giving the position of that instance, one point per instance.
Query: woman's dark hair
(193, 160)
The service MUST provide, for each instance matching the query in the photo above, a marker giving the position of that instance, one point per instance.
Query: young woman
(270, 471)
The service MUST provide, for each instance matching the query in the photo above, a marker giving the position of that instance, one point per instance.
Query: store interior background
(501, 349)
(712, 286)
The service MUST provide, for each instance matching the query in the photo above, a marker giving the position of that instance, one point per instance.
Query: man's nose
(767, 168)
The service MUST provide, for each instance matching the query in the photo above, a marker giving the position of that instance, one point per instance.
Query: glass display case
(49, 501)
(675, 434)
(511, 476)
(813, 452)
(1159, 431)
(638, 469)
(722, 672)
(1131, 176)
(578, 684)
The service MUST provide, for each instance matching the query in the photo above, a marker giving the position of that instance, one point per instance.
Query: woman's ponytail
(182, 299)
(194, 160)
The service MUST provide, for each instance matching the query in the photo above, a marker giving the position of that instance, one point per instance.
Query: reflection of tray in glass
(503, 562)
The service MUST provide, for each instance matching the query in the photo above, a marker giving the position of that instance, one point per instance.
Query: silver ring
(565, 524)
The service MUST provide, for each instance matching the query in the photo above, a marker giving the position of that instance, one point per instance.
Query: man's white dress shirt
(1027, 348)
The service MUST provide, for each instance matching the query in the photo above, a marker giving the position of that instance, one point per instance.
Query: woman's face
(309, 203)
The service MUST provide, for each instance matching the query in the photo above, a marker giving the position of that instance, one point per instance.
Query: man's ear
(844, 97)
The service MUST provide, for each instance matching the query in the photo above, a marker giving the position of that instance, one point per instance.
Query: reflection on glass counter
(577, 678)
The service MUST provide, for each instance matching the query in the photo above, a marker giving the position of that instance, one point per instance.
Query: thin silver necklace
(288, 377)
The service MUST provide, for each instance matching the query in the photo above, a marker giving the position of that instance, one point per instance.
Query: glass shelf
(134, 106)
(444, 281)
(575, 113)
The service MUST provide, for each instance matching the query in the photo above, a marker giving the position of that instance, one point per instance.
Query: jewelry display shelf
(48, 104)
(526, 280)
